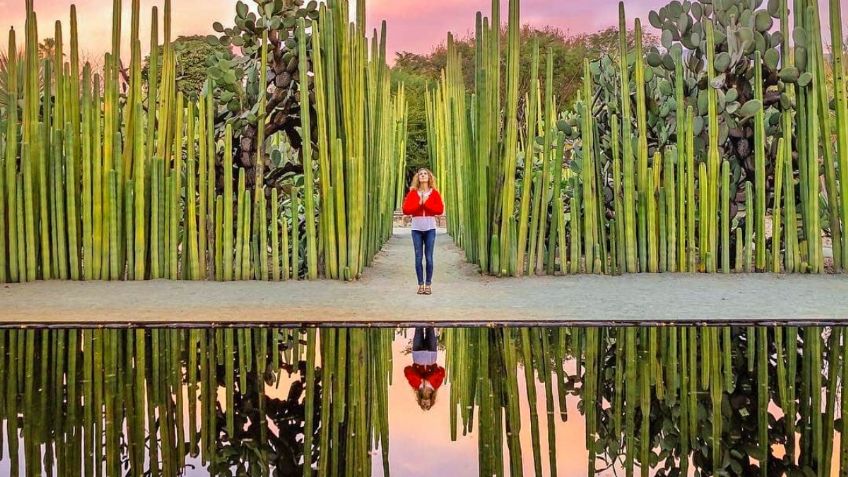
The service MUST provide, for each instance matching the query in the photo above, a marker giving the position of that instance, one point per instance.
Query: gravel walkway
(386, 295)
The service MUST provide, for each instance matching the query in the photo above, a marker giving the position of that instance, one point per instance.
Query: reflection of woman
(423, 203)
(425, 375)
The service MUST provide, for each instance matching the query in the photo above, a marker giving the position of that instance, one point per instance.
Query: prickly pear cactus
(742, 28)
(236, 78)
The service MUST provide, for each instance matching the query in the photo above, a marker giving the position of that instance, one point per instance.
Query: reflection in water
(143, 402)
(659, 401)
(425, 375)
(667, 400)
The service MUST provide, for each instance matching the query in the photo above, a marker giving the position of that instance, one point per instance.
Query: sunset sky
(413, 25)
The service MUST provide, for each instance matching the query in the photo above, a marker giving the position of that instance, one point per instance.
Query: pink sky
(413, 25)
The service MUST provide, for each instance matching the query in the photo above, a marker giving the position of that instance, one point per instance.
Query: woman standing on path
(423, 203)
(425, 375)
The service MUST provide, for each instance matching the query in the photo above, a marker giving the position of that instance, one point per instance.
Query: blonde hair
(426, 397)
(415, 184)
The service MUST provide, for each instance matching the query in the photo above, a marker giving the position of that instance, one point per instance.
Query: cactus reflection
(657, 401)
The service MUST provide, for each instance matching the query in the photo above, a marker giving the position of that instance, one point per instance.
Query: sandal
(420, 289)
(427, 290)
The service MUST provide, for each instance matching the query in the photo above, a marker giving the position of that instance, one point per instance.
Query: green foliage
(193, 55)
(416, 84)
(568, 51)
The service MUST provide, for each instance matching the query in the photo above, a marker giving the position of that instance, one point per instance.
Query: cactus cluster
(142, 183)
(168, 402)
(659, 148)
(663, 400)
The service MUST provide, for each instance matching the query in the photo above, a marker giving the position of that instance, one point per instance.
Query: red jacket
(433, 373)
(432, 206)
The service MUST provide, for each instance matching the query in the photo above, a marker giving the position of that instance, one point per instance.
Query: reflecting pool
(567, 401)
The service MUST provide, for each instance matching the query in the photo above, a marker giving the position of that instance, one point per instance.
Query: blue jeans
(425, 339)
(424, 242)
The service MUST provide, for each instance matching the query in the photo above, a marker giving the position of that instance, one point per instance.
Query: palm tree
(4, 77)
(46, 48)
(21, 68)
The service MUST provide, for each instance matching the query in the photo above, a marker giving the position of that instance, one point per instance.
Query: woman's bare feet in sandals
(420, 289)
(428, 290)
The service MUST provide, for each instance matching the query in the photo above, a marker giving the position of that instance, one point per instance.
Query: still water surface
(461, 401)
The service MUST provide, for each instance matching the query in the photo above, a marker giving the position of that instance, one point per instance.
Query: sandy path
(386, 294)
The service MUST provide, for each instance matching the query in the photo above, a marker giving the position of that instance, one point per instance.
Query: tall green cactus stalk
(590, 207)
(511, 142)
(792, 264)
(618, 203)
(776, 214)
(191, 241)
(556, 238)
(228, 205)
(642, 153)
(787, 60)
(671, 194)
(703, 209)
(128, 219)
(547, 159)
(11, 159)
(812, 224)
(3, 227)
(651, 223)
(173, 224)
(86, 196)
(295, 233)
(725, 217)
(841, 106)
(689, 159)
(328, 213)
(211, 194)
(749, 227)
(803, 148)
(823, 119)
(311, 237)
(205, 155)
(713, 159)
(680, 152)
(261, 229)
(275, 237)
(627, 148)
(71, 200)
(29, 211)
(139, 179)
(106, 169)
(241, 193)
(760, 168)
(532, 121)
(245, 214)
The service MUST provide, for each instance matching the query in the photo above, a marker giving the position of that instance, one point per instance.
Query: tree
(568, 51)
(416, 84)
(46, 48)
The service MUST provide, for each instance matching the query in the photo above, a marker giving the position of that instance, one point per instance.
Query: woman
(425, 376)
(423, 203)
